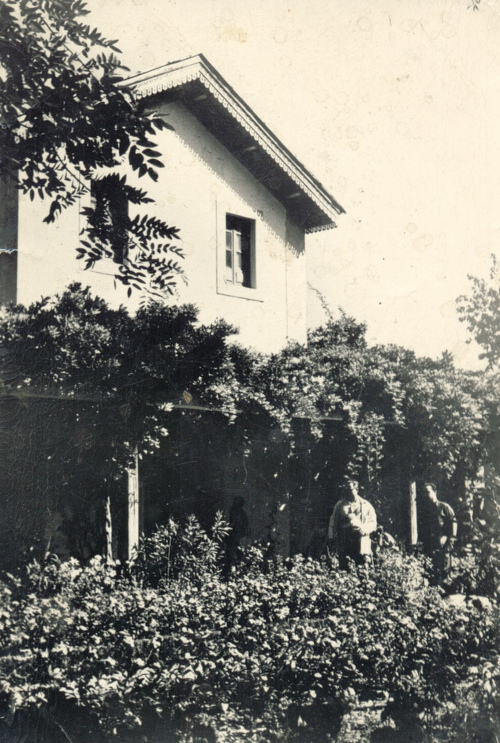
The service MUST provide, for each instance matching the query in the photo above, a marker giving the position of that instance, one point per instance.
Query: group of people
(353, 532)
(353, 525)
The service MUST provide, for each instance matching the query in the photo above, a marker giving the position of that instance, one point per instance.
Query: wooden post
(109, 531)
(133, 507)
(9, 218)
(413, 514)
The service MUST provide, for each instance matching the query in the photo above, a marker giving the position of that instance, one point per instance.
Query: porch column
(133, 507)
(109, 531)
(413, 514)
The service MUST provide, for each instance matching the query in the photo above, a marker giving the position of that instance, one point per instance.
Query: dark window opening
(239, 264)
(111, 206)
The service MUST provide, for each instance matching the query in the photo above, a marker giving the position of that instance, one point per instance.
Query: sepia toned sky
(394, 106)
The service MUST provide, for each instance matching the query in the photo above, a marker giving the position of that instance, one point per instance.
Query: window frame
(226, 284)
(239, 251)
(114, 209)
(107, 265)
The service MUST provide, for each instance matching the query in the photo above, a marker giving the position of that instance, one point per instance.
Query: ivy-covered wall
(84, 388)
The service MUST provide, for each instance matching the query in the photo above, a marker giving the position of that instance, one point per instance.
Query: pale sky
(394, 106)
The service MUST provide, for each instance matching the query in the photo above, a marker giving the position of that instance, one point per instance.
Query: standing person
(351, 524)
(442, 532)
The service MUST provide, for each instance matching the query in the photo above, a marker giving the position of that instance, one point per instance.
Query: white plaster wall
(201, 181)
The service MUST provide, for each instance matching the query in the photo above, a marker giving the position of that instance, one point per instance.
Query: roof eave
(178, 74)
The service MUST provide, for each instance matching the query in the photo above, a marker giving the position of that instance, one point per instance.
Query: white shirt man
(351, 524)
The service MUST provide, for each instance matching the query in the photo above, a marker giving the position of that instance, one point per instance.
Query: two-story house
(242, 201)
(244, 205)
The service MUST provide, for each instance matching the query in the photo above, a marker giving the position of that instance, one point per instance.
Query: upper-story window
(112, 207)
(240, 251)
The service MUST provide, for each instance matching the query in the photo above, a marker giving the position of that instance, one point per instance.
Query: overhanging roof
(200, 88)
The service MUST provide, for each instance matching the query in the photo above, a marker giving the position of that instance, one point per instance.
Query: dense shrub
(273, 650)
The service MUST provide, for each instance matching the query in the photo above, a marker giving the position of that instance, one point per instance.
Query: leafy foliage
(481, 312)
(76, 344)
(172, 553)
(274, 651)
(124, 373)
(67, 118)
(437, 408)
(477, 567)
(91, 385)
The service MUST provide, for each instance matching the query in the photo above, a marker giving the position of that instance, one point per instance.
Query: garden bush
(270, 650)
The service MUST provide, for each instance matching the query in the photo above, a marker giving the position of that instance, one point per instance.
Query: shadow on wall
(216, 159)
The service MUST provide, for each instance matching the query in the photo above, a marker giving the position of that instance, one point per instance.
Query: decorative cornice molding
(177, 74)
(319, 228)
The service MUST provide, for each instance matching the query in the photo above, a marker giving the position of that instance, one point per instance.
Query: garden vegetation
(174, 648)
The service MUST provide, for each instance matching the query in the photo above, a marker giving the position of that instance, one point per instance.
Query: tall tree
(67, 119)
(480, 310)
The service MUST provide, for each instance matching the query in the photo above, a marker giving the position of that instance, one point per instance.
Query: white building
(242, 201)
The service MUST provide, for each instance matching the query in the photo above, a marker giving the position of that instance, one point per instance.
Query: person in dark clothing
(240, 529)
(442, 526)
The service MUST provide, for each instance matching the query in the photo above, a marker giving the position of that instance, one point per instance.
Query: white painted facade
(201, 183)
